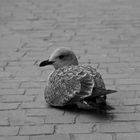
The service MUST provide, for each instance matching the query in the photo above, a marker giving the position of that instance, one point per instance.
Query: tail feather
(99, 92)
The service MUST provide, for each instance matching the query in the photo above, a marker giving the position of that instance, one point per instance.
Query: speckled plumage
(71, 83)
(66, 83)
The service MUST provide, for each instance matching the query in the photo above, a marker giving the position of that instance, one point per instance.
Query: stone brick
(12, 56)
(9, 131)
(138, 108)
(95, 136)
(128, 87)
(9, 85)
(124, 109)
(16, 117)
(74, 128)
(21, 63)
(123, 95)
(10, 42)
(115, 76)
(105, 32)
(14, 138)
(21, 119)
(130, 59)
(28, 71)
(11, 91)
(21, 13)
(8, 106)
(128, 136)
(34, 130)
(34, 91)
(109, 81)
(44, 112)
(3, 121)
(96, 59)
(90, 118)
(16, 98)
(33, 120)
(18, 25)
(52, 137)
(40, 98)
(115, 127)
(127, 117)
(67, 118)
(138, 94)
(30, 85)
(33, 105)
(135, 101)
(110, 66)
(121, 69)
(127, 81)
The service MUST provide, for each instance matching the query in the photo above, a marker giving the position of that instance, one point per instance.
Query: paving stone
(44, 112)
(34, 91)
(115, 127)
(52, 137)
(16, 98)
(123, 95)
(138, 108)
(33, 105)
(17, 118)
(115, 76)
(33, 120)
(102, 33)
(127, 117)
(137, 124)
(10, 42)
(128, 136)
(9, 85)
(91, 118)
(124, 109)
(31, 85)
(134, 101)
(34, 130)
(14, 138)
(128, 87)
(9, 131)
(67, 118)
(11, 55)
(95, 136)
(11, 91)
(4, 121)
(127, 81)
(8, 106)
(74, 128)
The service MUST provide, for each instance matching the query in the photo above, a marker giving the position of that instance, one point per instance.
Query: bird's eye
(61, 56)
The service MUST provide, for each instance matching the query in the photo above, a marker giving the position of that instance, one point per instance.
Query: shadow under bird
(73, 84)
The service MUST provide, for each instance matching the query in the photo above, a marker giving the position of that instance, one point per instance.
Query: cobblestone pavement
(101, 32)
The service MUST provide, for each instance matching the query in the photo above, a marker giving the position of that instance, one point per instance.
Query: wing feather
(67, 84)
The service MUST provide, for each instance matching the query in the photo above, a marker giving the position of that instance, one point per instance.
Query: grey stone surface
(104, 33)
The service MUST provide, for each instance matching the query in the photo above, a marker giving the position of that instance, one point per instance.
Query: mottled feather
(71, 84)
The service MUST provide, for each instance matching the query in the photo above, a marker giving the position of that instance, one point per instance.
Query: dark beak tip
(41, 64)
(45, 63)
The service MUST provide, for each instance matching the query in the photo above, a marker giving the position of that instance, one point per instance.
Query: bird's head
(60, 58)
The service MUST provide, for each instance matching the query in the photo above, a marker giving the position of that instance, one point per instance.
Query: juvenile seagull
(71, 83)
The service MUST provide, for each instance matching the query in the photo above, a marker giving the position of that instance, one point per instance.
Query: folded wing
(68, 85)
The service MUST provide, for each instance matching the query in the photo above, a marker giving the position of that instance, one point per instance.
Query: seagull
(74, 84)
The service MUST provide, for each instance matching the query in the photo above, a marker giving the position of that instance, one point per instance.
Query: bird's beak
(45, 63)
